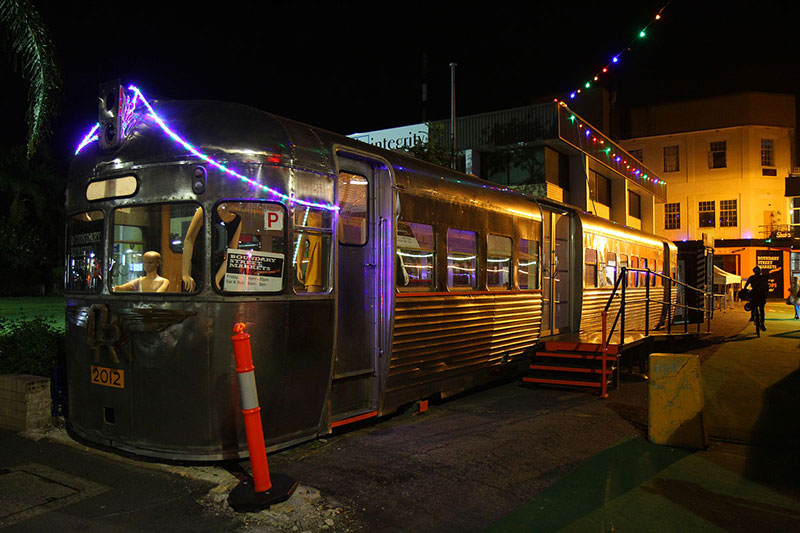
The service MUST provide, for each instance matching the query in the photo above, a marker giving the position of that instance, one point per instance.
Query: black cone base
(244, 499)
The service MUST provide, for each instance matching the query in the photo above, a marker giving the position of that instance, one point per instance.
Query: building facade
(726, 161)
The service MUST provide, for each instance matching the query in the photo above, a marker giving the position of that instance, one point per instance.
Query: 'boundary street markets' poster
(771, 264)
(253, 271)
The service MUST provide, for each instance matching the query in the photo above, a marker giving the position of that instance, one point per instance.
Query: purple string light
(128, 119)
(88, 138)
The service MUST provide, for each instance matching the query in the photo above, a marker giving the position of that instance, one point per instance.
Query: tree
(32, 54)
(432, 150)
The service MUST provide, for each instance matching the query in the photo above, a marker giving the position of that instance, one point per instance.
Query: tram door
(354, 387)
(556, 259)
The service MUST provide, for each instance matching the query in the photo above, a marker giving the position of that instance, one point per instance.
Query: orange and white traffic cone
(262, 491)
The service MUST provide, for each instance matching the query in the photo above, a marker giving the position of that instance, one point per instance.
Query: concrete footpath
(512, 457)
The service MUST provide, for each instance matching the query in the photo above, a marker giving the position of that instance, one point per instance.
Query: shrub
(30, 346)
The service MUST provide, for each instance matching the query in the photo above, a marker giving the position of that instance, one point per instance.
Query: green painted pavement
(639, 486)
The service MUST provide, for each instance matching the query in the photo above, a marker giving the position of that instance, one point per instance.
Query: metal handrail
(620, 316)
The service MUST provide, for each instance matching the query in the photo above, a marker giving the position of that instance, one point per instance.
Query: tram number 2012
(110, 377)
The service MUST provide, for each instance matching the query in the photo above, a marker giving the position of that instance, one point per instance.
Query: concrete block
(25, 401)
(676, 416)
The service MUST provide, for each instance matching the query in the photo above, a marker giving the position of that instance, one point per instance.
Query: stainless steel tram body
(426, 281)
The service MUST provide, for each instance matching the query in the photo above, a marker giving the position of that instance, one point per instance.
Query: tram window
(248, 242)
(85, 252)
(655, 281)
(623, 262)
(416, 256)
(590, 268)
(645, 278)
(611, 268)
(634, 276)
(112, 188)
(313, 217)
(462, 259)
(149, 244)
(528, 264)
(498, 262)
(353, 208)
(311, 251)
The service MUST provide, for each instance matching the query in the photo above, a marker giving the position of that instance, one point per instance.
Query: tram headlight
(199, 180)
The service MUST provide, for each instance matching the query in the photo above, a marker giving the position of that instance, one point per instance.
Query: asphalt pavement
(512, 457)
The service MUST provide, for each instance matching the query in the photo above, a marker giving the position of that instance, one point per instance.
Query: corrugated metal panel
(440, 337)
(594, 301)
(500, 128)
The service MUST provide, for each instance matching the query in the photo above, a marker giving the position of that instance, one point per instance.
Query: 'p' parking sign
(273, 219)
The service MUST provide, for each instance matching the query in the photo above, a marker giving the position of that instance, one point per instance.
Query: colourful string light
(616, 57)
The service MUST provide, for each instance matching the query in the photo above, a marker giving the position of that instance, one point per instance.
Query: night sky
(358, 67)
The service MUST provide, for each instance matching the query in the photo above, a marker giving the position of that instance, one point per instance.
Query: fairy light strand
(615, 58)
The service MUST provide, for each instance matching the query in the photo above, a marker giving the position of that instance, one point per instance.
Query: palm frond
(34, 56)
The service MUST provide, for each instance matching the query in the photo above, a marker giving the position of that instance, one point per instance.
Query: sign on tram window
(249, 246)
(85, 252)
(253, 271)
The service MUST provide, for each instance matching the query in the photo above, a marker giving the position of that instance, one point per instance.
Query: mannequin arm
(188, 249)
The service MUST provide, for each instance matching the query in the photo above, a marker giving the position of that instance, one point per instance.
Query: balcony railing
(780, 231)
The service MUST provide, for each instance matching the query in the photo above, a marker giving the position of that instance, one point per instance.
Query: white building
(725, 161)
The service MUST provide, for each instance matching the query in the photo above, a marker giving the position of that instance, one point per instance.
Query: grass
(50, 308)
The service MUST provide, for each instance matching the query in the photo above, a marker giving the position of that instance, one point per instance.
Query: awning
(725, 278)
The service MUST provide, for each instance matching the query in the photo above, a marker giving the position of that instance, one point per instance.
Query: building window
(727, 214)
(634, 204)
(599, 188)
(716, 155)
(637, 154)
(672, 216)
(767, 153)
(707, 214)
(672, 162)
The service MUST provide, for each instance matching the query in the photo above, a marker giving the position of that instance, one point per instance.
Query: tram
(367, 279)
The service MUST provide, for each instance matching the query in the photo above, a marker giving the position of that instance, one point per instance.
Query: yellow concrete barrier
(676, 415)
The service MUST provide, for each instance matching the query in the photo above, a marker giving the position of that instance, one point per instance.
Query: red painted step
(562, 382)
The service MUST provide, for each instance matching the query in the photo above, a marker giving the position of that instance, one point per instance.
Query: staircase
(574, 364)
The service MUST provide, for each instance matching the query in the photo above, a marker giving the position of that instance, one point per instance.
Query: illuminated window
(498, 262)
(767, 153)
(717, 154)
(149, 245)
(85, 252)
(352, 190)
(528, 264)
(462, 259)
(416, 256)
(672, 216)
(311, 250)
(672, 162)
(590, 268)
(706, 214)
(727, 214)
(634, 275)
(611, 268)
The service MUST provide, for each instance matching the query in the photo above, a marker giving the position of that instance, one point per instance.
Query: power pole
(453, 110)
